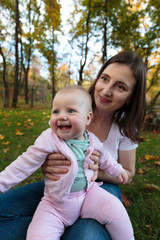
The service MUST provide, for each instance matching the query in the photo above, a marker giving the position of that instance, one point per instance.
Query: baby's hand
(123, 177)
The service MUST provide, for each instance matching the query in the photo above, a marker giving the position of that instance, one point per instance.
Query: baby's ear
(89, 118)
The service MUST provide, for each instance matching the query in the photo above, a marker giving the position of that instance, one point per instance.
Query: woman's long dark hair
(131, 116)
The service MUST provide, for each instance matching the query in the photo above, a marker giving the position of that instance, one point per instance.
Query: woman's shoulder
(123, 142)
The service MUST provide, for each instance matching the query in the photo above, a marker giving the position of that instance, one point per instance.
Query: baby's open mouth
(63, 127)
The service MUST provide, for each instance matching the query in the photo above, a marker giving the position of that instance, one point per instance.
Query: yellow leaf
(18, 124)
(140, 170)
(148, 157)
(1, 137)
(6, 143)
(19, 133)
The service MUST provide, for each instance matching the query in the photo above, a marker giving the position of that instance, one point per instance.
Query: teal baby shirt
(79, 147)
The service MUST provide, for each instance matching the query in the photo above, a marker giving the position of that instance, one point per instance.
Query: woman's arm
(127, 159)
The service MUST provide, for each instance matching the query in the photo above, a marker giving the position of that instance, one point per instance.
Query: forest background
(40, 53)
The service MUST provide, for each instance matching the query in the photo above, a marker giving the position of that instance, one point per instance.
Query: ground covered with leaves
(19, 129)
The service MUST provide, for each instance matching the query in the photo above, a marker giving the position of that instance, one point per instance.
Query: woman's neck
(100, 125)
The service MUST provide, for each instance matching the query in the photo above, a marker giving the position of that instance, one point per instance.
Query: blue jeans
(18, 205)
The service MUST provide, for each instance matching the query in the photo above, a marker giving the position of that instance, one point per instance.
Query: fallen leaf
(140, 170)
(6, 143)
(125, 200)
(152, 186)
(148, 157)
(19, 133)
(148, 226)
(157, 162)
(1, 137)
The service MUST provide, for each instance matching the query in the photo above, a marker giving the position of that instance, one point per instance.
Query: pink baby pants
(51, 218)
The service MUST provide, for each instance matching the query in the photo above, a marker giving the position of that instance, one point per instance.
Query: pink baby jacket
(48, 142)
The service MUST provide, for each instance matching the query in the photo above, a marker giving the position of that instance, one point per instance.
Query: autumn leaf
(148, 157)
(1, 137)
(18, 132)
(148, 226)
(18, 124)
(152, 186)
(125, 200)
(157, 162)
(140, 170)
(6, 143)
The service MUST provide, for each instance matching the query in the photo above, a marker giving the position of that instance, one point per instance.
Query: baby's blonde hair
(82, 90)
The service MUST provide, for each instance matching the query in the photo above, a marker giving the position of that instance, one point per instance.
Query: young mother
(118, 95)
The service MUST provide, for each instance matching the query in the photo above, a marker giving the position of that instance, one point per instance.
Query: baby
(75, 194)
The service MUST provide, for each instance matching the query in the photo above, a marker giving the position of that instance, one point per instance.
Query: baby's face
(69, 115)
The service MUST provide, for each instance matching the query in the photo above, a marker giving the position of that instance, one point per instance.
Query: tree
(85, 48)
(6, 8)
(6, 87)
(17, 31)
(47, 36)
(28, 37)
(140, 35)
(80, 32)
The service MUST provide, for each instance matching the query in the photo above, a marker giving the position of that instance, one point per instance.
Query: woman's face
(114, 88)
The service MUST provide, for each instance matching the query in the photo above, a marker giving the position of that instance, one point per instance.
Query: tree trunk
(53, 68)
(104, 49)
(82, 65)
(16, 82)
(6, 88)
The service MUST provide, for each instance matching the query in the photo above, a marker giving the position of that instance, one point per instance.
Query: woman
(118, 95)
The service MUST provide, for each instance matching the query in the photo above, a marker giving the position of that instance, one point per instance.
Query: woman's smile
(104, 100)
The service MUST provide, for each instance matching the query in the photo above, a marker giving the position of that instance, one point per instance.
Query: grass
(19, 129)
(144, 192)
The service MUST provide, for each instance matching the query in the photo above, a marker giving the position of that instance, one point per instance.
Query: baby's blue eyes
(71, 111)
(56, 112)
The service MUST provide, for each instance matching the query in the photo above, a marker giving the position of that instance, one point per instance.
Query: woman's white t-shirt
(115, 142)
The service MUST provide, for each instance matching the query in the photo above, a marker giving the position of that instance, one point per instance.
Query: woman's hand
(55, 164)
(95, 158)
